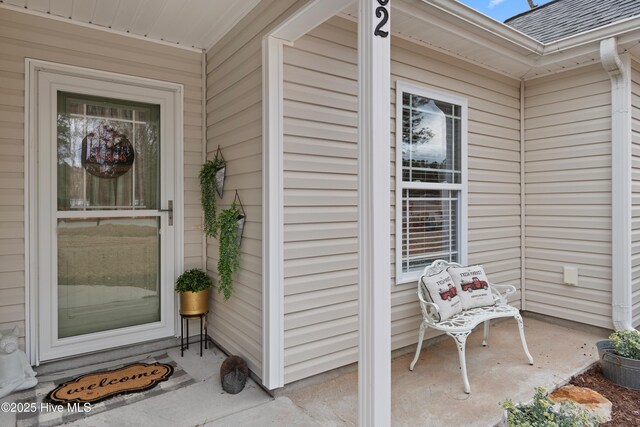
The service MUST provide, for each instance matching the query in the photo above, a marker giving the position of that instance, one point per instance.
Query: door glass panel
(108, 274)
(108, 159)
(108, 153)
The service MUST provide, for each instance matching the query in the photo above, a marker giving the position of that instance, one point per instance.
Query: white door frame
(169, 95)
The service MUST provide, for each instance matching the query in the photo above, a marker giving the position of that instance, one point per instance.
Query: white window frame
(428, 92)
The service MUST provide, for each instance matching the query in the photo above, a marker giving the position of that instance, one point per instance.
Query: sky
(501, 9)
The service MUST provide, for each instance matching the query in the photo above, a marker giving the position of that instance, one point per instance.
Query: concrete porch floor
(431, 395)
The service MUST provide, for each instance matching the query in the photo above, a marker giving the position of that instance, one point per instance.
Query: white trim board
(308, 18)
(174, 91)
(374, 217)
(272, 214)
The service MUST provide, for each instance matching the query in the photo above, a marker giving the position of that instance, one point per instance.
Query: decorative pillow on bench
(472, 285)
(441, 290)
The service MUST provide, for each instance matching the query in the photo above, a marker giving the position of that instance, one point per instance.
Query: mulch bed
(626, 402)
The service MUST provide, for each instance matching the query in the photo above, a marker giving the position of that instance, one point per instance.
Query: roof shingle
(563, 18)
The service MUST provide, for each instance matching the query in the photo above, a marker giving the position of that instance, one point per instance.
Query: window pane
(431, 140)
(108, 274)
(429, 227)
(108, 153)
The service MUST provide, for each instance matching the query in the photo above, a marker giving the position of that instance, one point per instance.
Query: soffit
(197, 24)
(446, 26)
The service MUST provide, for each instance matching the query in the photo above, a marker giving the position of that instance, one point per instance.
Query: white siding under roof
(320, 211)
(635, 129)
(568, 194)
(27, 36)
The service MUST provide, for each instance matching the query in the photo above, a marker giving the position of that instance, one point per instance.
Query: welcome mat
(42, 412)
(98, 386)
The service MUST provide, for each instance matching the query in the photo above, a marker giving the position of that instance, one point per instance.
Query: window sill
(409, 278)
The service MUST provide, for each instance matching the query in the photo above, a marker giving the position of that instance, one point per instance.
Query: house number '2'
(383, 14)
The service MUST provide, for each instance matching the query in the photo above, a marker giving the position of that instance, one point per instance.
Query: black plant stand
(184, 319)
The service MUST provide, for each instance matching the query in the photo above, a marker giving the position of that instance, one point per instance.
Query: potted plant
(620, 358)
(230, 227)
(193, 286)
(542, 411)
(211, 181)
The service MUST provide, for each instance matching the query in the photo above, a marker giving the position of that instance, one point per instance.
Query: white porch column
(374, 229)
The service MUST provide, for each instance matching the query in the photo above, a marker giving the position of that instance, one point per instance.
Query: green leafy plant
(543, 412)
(208, 194)
(228, 260)
(194, 280)
(626, 343)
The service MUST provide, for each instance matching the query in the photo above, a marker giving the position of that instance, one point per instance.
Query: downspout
(523, 286)
(618, 68)
(203, 72)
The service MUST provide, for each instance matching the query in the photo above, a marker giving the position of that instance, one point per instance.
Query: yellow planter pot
(193, 303)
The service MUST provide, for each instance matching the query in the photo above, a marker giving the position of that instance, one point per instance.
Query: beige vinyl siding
(635, 138)
(27, 36)
(234, 122)
(320, 194)
(568, 194)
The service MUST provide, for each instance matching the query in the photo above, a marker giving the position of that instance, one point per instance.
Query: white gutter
(541, 54)
(499, 29)
(523, 205)
(619, 69)
(615, 29)
(477, 19)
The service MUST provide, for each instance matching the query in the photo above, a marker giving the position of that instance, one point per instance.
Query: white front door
(105, 181)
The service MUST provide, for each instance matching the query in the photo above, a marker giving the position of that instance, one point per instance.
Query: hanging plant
(208, 188)
(230, 225)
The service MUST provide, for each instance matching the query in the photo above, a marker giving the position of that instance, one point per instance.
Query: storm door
(105, 177)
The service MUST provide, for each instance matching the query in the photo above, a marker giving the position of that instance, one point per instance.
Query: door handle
(170, 210)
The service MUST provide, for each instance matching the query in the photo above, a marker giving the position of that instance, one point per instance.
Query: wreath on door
(107, 152)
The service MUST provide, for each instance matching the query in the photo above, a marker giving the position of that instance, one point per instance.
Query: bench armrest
(501, 292)
(429, 310)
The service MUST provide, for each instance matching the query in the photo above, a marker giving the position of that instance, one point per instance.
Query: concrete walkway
(431, 396)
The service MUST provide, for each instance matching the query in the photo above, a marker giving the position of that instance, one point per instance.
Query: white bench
(460, 325)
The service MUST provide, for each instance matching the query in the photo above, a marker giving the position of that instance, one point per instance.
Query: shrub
(543, 412)
(194, 280)
(626, 343)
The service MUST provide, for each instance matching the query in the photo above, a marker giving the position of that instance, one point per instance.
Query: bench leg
(420, 337)
(461, 341)
(485, 337)
(524, 342)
